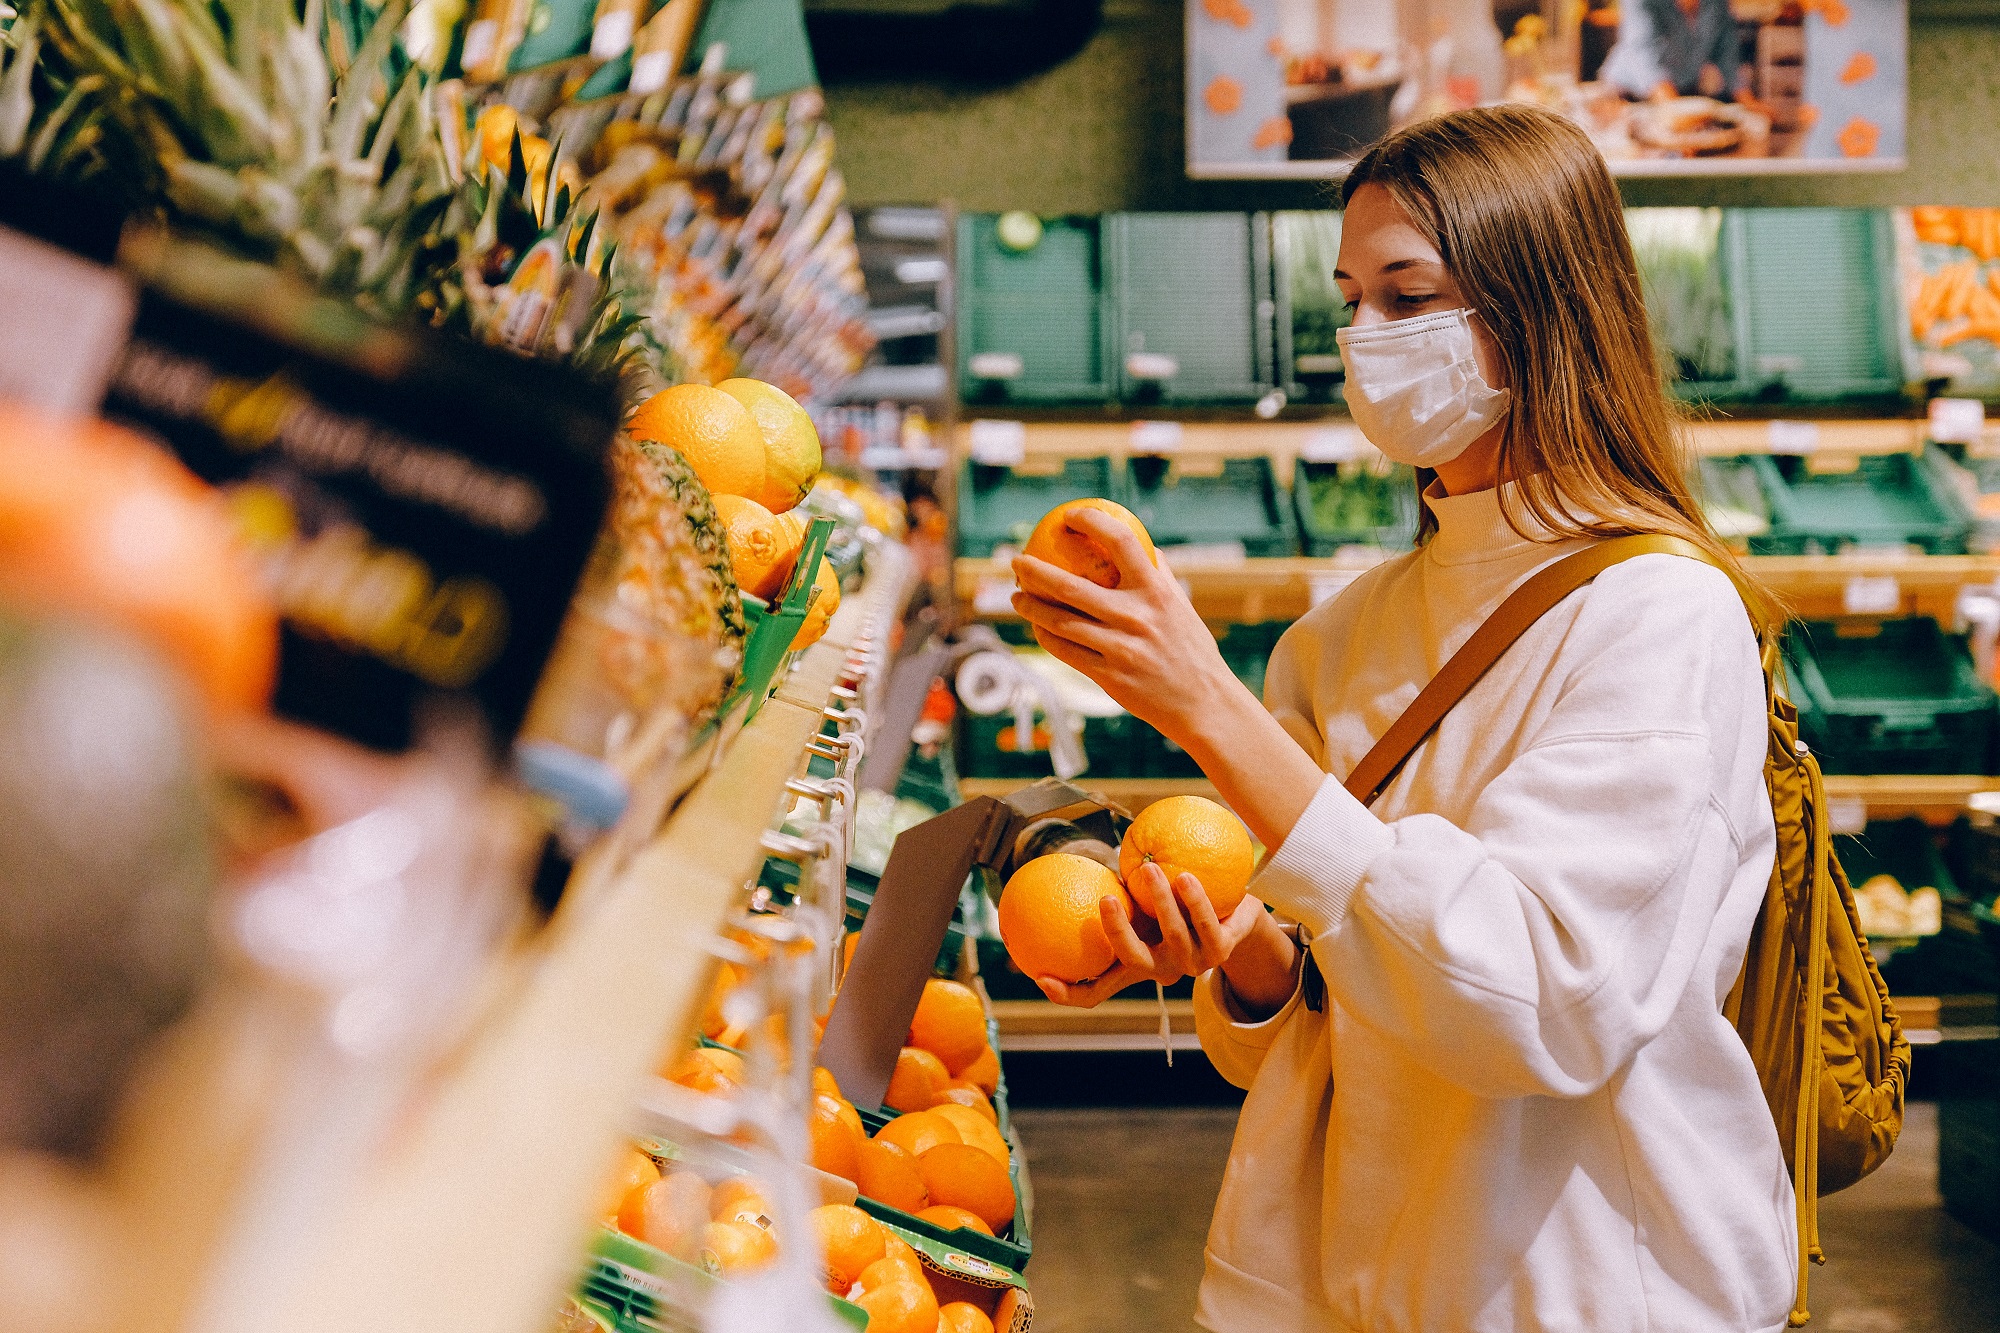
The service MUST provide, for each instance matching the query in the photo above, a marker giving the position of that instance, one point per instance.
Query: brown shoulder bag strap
(1523, 607)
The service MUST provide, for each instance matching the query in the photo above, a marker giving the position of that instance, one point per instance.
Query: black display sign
(421, 507)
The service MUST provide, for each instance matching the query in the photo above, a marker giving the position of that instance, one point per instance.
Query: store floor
(1122, 1199)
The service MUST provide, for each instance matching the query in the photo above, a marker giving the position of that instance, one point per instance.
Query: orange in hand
(1065, 547)
(1191, 835)
(1049, 918)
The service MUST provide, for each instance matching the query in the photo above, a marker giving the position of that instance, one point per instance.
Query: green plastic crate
(1731, 491)
(1888, 500)
(1191, 293)
(1896, 696)
(1037, 314)
(1010, 1250)
(640, 1287)
(999, 506)
(1310, 307)
(1682, 258)
(1817, 313)
(1242, 503)
(1350, 504)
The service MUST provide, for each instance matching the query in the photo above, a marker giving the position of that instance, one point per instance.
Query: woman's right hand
(1181, 938)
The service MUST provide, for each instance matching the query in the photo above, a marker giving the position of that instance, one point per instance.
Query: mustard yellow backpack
(1810, 1005)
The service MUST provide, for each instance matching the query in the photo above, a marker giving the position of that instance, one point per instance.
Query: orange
(963, 1317)
(820, 614)
(711, 430)
(918, 1083)
(888, 1174)
(849, 1241)
(635, 1172)
(713, 1024)
(895, 1247)
(1049, 918)
(951, 1218)
(824, 1081)
(495, 127)
(791, 444)
(739, 1199)
(852, 1118)
(1055, 541)
(706, 1069)
(976, 1130)
(961, 1092)
(969, 1178)
(836, 1142)
(1192, 835)
(900, 1307)
(735, 1247)
(847, 944)
(918, 1132)
(668, 1214)
(950, 1022)
(983, 1073)
(99, 524)
(895, 1266)
(757, 557)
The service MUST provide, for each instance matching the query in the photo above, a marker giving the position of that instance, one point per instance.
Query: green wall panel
(1103, 132)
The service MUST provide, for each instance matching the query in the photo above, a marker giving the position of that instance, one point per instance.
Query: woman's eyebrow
(1397, 267)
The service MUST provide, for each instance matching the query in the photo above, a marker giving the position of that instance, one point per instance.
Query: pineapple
(230, 112)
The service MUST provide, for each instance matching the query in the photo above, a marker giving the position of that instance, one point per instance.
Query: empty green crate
(1191, 308)
(1684, 273)
(1031, 323)
(1896, 696)
(1310, 306)
(1352, 504)
(999, 506)
(1732, 497)
(1888, 500)
(1817, 313)
(1242, 503)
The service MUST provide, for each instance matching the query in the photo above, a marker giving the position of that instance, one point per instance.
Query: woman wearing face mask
(1490, 1085)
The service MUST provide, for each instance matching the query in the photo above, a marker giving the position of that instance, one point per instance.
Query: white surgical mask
(1414, 387)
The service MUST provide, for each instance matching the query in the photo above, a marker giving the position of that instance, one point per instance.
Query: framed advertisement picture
(1300, 88)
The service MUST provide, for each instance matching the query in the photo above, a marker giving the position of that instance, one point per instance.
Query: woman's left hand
(1141, 641)
(1177, 936)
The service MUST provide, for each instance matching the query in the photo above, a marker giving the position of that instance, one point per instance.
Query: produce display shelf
(1887, 795)
(546, 1085)
(1046, 438)
(1286, 587)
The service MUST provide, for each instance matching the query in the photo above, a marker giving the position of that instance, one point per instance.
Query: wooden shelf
(1886, 796)
(1134, 1025)
(1202, 437)
(543, 1095)
(1285, 588)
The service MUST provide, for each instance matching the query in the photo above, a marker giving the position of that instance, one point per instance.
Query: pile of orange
(758, 453)
(1050, 921)
(724, 1227)
(880, 1272)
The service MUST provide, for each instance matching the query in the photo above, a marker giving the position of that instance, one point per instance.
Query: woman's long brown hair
(1523, 210)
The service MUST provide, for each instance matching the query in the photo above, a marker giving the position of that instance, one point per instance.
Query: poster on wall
(1300, 88)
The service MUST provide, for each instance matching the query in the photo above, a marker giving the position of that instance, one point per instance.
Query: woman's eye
(1410, 300)
(1350, 306)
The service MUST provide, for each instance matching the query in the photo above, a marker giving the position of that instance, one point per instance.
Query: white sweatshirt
(1520, 1107)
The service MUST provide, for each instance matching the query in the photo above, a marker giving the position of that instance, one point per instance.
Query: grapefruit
(791, 443)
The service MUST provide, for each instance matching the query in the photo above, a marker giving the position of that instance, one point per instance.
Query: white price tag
(999, 443)
(1957, 420)
(1334, 444)
(994, 597)
(1793, 437)
(1322, 584)
(1872, 596)
(63, 364)
(1156, 437)
(1847, 814)
(651, 71)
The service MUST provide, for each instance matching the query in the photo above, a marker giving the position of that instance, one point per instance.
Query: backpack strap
(1509, 621)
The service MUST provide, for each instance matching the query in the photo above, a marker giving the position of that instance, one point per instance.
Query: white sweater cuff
(1313, 876)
